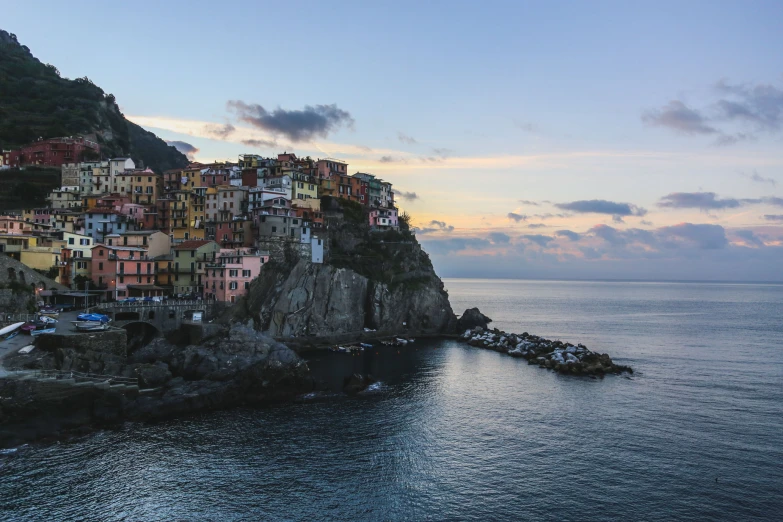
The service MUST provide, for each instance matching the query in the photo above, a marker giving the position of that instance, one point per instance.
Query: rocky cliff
(380, 280)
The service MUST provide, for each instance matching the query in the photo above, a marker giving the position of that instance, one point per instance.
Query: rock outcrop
(565, 358)
(324, 300)
(236, 366)
(471, 319)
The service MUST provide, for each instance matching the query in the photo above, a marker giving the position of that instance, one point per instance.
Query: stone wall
(12, 270)
(113, 341)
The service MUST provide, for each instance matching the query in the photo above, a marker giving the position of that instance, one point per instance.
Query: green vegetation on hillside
(28, 188)
(393, 257)
(35, 102)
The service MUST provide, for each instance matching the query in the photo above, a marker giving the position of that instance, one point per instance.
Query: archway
(139, 334)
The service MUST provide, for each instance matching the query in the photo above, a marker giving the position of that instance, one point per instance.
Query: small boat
(49, 312)
(27, 328)
(44, 330)
(10, 330)
(365, 345)
(89, 326)
(93, 318)
(46, 319)
(27, 349)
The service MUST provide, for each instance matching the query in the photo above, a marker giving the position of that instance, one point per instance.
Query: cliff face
(378, 280)
(324, 300)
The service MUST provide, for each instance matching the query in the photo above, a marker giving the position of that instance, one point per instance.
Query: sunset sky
(612, 140)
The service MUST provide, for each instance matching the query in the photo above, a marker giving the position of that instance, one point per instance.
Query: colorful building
(188, 263)
(54, 152)
(384, 218)
(228, 275)
(120, 270)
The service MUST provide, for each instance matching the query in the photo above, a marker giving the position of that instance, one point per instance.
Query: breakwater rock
(564, 358)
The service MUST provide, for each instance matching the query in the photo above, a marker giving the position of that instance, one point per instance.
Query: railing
(7, 319)
(168, 302)
(78, 376)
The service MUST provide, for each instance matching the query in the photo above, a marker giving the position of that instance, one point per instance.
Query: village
(120, 232)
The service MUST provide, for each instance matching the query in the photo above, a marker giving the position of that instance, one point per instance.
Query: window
(100, 265)
(232, 273)
(71, 241)
(232, 285)
(274, 229)
(122, 279)
(247, 285)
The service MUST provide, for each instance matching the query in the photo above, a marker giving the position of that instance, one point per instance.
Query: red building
(53, 152)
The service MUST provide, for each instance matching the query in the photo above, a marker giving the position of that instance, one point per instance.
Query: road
(13, 345)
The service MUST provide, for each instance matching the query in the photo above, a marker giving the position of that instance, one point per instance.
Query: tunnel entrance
(139, 334)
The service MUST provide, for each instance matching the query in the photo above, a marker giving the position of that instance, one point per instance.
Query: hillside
(27, 188)
(35, 102)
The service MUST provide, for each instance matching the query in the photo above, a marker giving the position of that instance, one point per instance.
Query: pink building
(330, 168)
(14, 225)
(228, 276)
(384, 218)
(123, 271)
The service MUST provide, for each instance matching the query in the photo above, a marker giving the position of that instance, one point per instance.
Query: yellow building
(42, 257)
(146, 187)
(303, 186)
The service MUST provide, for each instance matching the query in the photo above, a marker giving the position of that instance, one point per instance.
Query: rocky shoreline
(562, 357)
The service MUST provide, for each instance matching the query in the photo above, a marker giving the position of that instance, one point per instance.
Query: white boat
(89, 326)
(27, 349)
(10, 330)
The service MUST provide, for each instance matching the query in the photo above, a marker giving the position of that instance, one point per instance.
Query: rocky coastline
(562, 357)
(60, 393)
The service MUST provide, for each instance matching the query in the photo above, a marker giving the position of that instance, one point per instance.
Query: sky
(566, 140)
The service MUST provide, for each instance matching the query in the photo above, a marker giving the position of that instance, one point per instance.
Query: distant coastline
(640, 281)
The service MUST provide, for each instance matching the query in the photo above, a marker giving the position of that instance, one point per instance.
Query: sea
(451, 432)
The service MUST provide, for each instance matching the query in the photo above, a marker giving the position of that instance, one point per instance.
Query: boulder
(472, 318)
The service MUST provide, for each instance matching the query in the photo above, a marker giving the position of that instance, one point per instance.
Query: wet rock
(472, 318)
(357, 382)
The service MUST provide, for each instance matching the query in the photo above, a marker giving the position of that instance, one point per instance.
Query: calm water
(456, 433)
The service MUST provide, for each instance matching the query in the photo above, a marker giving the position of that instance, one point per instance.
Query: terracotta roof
(192, 244)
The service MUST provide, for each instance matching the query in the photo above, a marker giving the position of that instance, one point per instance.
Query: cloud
(528, 202)
(573, 236)
(758, 178)
(185, 148)
(408, 196)
(539, 239)
(601, 206)
(443, 153)
(454, 244)
(436, 226)
(679, 117)
(751, 108)
(219, 131)
(516, 217)
(706, 237)
(536, 225)
(759, 105)
(404, 138)
(526, 126)
(749, 238)
(645, 222)
(296, 125)
(609, 234)
(387, 159)
(260, 144)
(499, 238)
(700, 200)
(773, 217)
